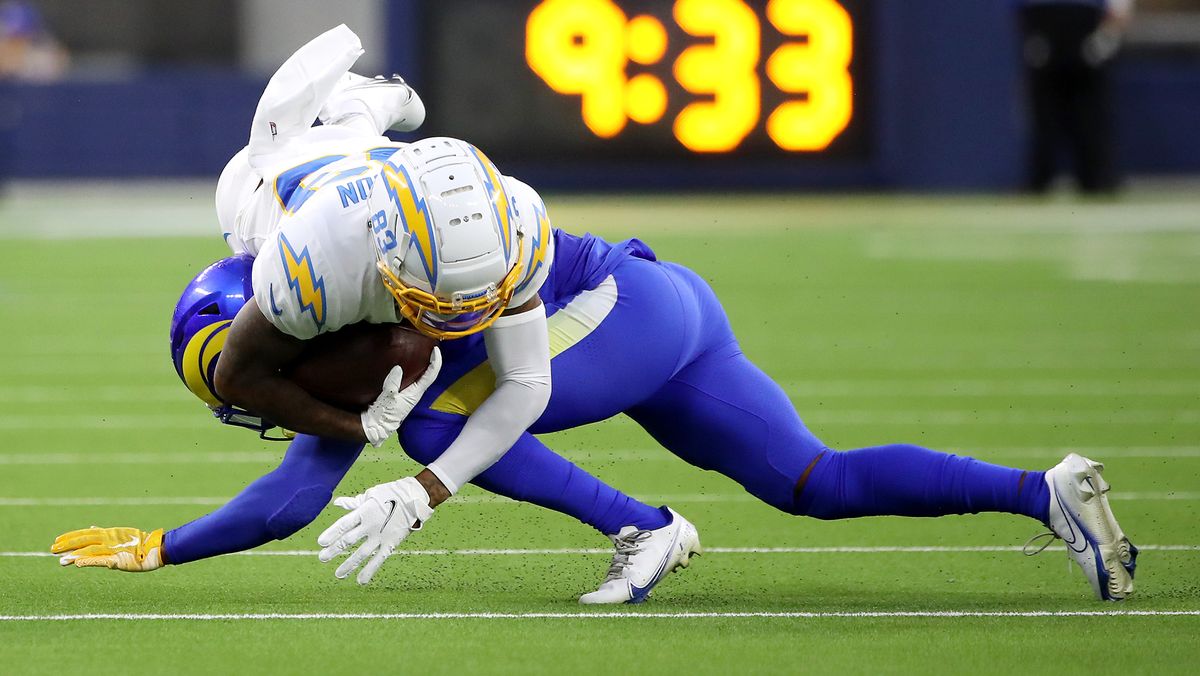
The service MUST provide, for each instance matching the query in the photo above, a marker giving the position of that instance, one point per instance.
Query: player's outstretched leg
(722, 413)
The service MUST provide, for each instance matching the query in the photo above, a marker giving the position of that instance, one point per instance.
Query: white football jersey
(314, 269)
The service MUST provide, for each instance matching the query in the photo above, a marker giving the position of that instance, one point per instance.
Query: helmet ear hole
(210, 309)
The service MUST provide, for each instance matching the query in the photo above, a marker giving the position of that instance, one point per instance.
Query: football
(346, 368)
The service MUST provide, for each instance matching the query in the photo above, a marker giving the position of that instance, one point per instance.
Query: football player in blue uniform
(540, 331)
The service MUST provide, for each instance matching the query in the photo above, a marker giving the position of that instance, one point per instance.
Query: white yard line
(182, 457)
(586, 615)
(975, 387)
(930, 549)
(120, 421)
(1010, 417)
(43, 421)
(479, 499)
(987, 387)
(620, 454)
(41, 394)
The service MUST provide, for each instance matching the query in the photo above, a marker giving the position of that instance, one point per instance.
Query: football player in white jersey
(345, 228)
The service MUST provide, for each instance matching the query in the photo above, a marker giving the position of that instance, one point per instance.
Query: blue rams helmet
(199, 328)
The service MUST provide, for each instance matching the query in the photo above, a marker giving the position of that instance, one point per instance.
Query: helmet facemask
(464, 314)
(444, 232)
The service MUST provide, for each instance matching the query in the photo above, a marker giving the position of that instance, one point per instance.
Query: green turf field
(1010, 329)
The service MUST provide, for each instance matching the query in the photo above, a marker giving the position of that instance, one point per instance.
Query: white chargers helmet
(448, 246)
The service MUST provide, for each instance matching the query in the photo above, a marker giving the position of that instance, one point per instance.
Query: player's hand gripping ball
(347, 368)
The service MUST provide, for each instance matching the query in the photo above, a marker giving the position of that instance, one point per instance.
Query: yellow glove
(127, 549)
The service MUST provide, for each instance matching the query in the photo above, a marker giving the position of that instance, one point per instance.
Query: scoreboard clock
(668, 81)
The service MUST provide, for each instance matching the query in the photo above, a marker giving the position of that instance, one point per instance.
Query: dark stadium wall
(946, 114)
(948, 95)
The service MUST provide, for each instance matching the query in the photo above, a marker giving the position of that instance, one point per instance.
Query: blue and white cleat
(644, 558)
(1081, 517)
(389, 103)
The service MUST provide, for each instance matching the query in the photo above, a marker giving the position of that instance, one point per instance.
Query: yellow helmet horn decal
(201, 351)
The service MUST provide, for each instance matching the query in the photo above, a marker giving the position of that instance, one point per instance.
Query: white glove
(382, 418)
(384, 515)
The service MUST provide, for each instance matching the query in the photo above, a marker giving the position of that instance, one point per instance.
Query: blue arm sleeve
(272, 508)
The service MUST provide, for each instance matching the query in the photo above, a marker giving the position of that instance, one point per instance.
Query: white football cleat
(1081, 517)
(388, 103)
(643, 559)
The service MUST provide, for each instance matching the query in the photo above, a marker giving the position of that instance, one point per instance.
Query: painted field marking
(972, 387)
(640, 454)
(985, 387)
(482, 499)
(1009, 417)
(942, 418)
(584, 615)
(646, 454)
(182, 458)
(939, 549)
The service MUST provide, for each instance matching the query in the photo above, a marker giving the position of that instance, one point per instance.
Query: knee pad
(300, 511)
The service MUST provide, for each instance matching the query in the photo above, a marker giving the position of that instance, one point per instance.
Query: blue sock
(531, 472)
(549, 480)
(905, 480)
(272, 508)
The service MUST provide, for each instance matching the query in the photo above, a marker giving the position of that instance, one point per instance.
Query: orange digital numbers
(578, 47)
(817, 68)
(588, 47)
(723, 70)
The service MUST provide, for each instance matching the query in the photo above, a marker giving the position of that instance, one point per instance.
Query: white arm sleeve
(518, 347)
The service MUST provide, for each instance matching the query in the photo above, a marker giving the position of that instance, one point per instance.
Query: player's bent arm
(518, 348)
(248, 375)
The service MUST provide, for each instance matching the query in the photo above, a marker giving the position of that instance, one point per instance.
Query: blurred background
(921, 95)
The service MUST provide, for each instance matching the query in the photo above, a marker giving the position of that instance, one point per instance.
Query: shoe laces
(628, 546)
(1048, 539)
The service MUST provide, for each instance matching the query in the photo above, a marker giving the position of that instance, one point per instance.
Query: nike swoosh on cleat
(639, 594)
(1071, 525)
